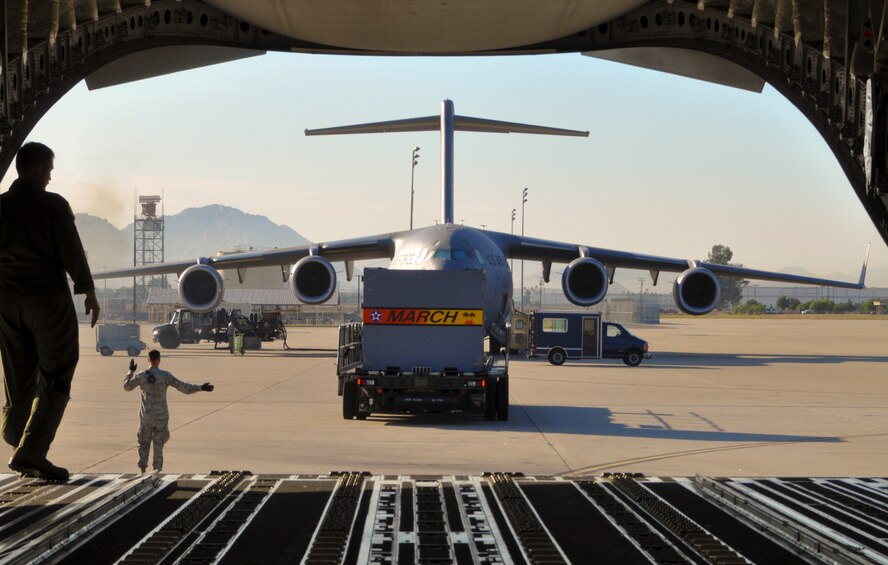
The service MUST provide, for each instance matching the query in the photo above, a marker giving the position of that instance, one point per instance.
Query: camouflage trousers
(156, 433)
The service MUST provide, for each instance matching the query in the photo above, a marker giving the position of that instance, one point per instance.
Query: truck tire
(502, 399)
(490, 400)
(169, 341)
(106, 351)
(633, 358)
(557, 356)
(132, 351)
(349, 399)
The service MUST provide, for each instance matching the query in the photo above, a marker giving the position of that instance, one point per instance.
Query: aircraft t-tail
(445, 246)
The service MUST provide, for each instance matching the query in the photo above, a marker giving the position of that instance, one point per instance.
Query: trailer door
(591, 337)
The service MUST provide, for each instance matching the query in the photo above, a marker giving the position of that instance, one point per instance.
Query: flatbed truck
(420, 348)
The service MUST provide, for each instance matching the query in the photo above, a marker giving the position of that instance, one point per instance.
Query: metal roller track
(489, 519)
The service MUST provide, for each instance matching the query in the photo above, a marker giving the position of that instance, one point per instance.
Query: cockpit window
(442, 254)
(459, 254)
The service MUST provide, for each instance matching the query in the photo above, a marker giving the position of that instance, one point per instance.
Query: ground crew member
(38, 323)
(154, 415)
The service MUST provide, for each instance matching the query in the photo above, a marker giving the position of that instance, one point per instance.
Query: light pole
(414, 159)
(105, 296)
(523, 202)
(512, 232)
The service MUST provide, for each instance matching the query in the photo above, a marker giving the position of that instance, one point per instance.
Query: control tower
(148, 246)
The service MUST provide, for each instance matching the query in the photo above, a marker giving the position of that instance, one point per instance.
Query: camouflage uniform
(154, 415)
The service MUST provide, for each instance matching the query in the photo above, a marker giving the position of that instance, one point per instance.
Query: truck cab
(620, 343)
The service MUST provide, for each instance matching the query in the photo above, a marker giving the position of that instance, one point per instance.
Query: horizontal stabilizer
(433, 123)
(465, 123)
(429, 123)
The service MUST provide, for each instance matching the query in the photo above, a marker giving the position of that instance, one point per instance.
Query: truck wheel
(169, 341)
(557, 357)
(632, 358)
(349, 400)
(490, 400)
(132, 351)
(502, 399)
(106, 351)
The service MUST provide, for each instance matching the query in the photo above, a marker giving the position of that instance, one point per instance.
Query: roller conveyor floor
(493, 518)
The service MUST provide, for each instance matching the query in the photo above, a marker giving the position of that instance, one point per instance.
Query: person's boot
(29, 458)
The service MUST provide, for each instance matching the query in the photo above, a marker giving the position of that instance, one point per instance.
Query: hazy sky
(672, 165)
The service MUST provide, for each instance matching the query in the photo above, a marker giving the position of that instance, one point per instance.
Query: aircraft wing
(532, 249)
(358, 249)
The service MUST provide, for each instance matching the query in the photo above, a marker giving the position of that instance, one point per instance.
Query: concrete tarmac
(721, 397)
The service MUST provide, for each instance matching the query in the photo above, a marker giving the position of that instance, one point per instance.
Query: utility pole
(414, 159)
(541, 291)
(523, 202)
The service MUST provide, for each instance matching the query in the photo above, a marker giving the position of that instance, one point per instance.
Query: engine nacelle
(585, 281)
(313, 280)
(696, 291)
(201, 288)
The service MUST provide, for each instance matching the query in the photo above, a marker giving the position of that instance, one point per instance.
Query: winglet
(863, 269)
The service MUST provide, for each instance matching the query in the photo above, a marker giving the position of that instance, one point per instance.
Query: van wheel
(349, 400)
(557, 357)
(132, 351)
(502, 399)
(106, 351)
(632, 358)
(490, 400)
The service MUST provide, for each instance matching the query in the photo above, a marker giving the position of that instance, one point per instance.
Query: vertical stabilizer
(447, 124)
(447, 162)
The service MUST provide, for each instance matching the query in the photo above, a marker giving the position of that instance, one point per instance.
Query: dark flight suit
(39, 345)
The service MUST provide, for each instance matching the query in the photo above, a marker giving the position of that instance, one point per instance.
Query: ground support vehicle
(420, 348)
(582, 335)
(119, 337)
(186, 326)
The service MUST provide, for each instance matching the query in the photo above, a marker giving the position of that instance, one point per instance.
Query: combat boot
(29, 458)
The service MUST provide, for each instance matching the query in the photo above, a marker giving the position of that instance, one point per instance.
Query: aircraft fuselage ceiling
(826, 57)
(447, 246)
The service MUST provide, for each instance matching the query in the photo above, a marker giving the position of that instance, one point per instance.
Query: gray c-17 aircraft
(447, 246)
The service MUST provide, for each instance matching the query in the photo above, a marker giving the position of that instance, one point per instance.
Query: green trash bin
(237, 345)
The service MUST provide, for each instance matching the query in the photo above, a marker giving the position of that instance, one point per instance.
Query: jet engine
(584, 281)
(200, 288)
(696, 291)
(313, 280)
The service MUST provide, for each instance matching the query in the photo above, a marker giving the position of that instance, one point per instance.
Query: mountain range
(192, 233)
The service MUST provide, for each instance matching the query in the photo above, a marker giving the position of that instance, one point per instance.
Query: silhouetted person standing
(38, 323)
